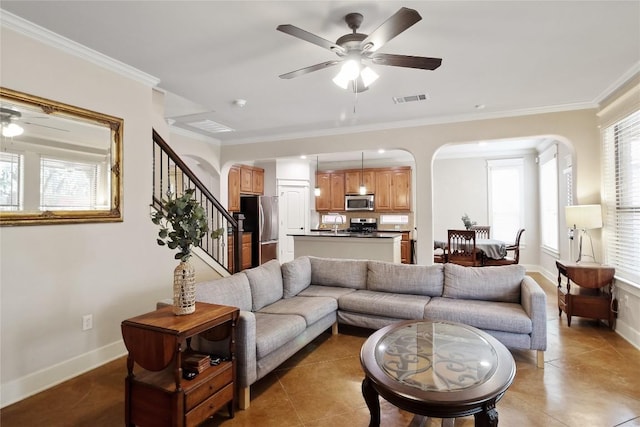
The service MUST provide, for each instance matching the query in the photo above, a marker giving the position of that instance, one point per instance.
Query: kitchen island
(343, 244)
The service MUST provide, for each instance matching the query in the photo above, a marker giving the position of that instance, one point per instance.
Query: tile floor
(591, 379)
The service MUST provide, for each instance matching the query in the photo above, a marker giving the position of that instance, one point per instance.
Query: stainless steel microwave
(359, 202)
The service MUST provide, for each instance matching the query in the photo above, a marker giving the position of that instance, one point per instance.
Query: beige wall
(577, 128)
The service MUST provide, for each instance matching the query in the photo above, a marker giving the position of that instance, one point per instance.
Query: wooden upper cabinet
(331, 196)
(337, 191)
(244, 180)
(393, 190)
(383, 190)
(233, 186)
(258, 181)
(352, 181)
(401, 190)
(323, 182)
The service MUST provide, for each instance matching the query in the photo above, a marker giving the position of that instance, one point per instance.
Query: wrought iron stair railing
(171, 174)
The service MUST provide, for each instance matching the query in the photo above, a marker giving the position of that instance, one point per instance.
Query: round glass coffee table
(436, 369)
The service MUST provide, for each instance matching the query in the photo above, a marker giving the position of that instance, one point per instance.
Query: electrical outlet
(87, 322)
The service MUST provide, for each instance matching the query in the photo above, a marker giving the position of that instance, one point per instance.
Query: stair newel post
(237, 241)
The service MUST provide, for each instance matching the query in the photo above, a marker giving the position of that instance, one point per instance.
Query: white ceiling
(513, 57)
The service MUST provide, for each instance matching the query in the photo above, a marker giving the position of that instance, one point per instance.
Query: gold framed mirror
(59, 164)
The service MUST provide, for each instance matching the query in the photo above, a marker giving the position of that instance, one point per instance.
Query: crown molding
(36, 32)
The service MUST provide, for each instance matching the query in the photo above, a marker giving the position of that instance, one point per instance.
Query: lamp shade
(585, 217)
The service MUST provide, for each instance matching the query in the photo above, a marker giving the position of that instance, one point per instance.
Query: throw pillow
(501, 283)
(266, 284)
(296, 276)
(405, 278)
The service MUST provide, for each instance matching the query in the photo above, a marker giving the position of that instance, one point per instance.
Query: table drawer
(203, 391)
(209, 406)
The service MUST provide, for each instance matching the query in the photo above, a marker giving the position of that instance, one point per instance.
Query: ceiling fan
(352, 49)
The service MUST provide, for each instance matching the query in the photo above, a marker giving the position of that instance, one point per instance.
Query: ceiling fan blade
(397, 23)
(421, 62)
(309, 69)
(311, 38)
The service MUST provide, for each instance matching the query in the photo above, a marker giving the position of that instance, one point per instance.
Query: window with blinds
(68, 185)
(621, 196)
(10, 182)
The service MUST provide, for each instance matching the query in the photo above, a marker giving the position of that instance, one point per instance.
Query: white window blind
(621, 176)
(68, 185)
(506, 197)
(548, 176)
(10, 182)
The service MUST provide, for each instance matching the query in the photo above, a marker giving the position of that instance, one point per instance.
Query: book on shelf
(196, 361)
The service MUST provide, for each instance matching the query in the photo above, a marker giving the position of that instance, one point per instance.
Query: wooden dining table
(490, 248)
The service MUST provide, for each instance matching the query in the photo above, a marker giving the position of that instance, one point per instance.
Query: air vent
(412, 98)
(210, 126)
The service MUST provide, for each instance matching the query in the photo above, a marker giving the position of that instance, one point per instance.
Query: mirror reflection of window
(63, 167)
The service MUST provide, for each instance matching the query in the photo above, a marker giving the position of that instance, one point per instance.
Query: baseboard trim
(21, 388)
(628, 333)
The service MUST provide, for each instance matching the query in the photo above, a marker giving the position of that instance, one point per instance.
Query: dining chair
(482, 231)
(462, 248)
(507, 260)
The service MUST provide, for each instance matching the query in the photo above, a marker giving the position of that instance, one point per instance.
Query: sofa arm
(246, 349)
(534, 302)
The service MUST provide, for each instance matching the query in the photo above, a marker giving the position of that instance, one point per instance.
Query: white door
(294, 216)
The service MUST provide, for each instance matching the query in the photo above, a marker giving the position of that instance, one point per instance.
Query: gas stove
(363, 225)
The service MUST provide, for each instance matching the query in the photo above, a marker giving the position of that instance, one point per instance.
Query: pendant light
(363, 189)
(316, 191)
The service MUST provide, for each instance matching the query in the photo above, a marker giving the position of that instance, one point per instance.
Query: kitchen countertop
(329, 233)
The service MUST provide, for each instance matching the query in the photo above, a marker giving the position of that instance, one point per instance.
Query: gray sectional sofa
(284, 307)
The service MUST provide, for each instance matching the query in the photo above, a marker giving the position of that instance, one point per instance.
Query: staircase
(171, 174)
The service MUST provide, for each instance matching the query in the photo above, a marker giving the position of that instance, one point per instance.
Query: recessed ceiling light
(381, 151)
(480, 106)
(303, 157)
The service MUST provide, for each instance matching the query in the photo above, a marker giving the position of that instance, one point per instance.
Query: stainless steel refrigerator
(261, 219)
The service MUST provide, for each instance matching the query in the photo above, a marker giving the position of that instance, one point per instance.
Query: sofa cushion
(266, 284)
(497, 316)
(233, 290)
(405, 278)
(275, 330)
(296, 276)
(312, 309)
(397, 306)
(500, 283)
(346, 273)
(334, 292)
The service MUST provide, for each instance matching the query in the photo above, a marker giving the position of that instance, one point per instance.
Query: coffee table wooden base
(485, 413)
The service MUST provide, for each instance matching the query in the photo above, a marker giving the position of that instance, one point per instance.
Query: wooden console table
(157, 394)
(591, 297)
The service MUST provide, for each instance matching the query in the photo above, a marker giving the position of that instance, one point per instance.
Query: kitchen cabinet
(251, 180)
(393, 189)
(234, 189)
(331, 186)
(243, 179)
(352, 181)
(246, 252)
(405, 248)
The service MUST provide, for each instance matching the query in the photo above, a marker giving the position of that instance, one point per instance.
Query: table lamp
(583, 218)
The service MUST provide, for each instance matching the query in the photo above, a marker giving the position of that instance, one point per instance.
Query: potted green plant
(183, 223)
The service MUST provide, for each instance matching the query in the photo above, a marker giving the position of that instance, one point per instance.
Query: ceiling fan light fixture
(11, 130)
(368, 76)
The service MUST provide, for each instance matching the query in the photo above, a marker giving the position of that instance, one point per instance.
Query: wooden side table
(157, 394)
(592, 295)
